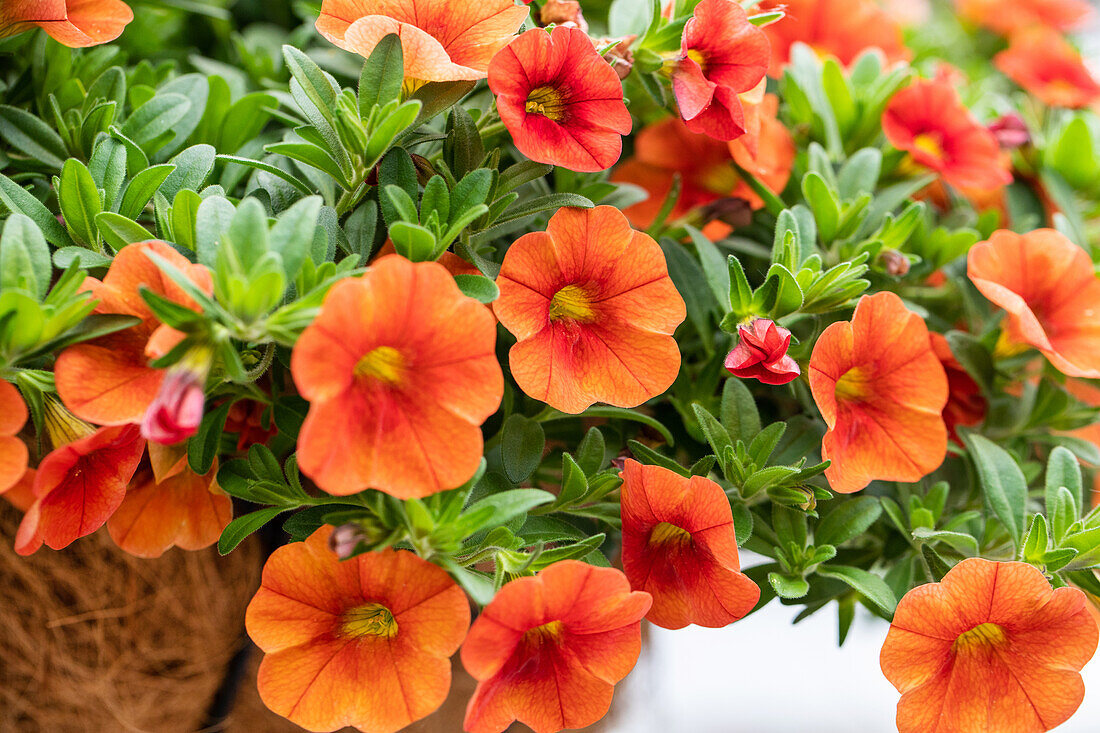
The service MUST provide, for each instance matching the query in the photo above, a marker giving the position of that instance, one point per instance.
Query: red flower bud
(762, 353)
(1011, 131)
(176, 412)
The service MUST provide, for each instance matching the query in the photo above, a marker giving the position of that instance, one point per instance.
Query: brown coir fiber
(92, 639)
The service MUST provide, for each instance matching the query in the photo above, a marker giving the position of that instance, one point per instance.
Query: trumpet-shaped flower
(990, 648)
(108, 381)
(364, 642)
(840, 28)
(13, 451)
(679, 546)
(441, 40)
(78, 486)
(548, 649)
(1046, 65)
(593, 308)
(965, 404)
(73, 23)
(928, 120)
(882, 391)
(170, 506)
(1048, 287)
(400, 372)
(722, 55)
(560, 100)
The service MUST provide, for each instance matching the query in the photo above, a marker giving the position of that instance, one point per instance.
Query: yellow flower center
(1007, 346)
(573, 303)
(548, 633)
(719, 179)
(929, 143)
(696, 56)
(546, 101)
(667, 533)
(854, 385)
(385, 364)
(373, 619)
(987, 635)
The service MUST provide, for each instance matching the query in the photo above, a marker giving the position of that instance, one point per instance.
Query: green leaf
(19, 200)
(241, 527)
(738, 413)
(590, 452)
(79, 200)
(499, 509)
(717, 436)
(32, 137)
(463, 149)
(290, 178)
(382, 75)
(203, 446)
(788, 586)
(549, 202)
(1063, 470)
(153, 119)
(521, 444)
(647, 455)
(292, 234)
(88, 259)
(867, 584)
(478, 287)
(24, 258)
(849, 519)
(619, 413)
(960, 541)
(1003, 483)
(142, 188)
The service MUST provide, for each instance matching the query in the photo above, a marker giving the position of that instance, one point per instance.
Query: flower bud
(1011, 131)
(894, 263)
(563, 12)
(731, 210)
(762, 353)
(345, 539)
(619, 55)
(176, 412)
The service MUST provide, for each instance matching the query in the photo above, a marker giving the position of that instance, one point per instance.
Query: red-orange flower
(548, 649)
(722, 55)
(1009, 16)
(761, 353)
(679, 546)
(560, 100)
(108, 381)
(840, 28)
(78, 486)
(992, 647)
(13, 451)
(881, 390)
(365, 642)
(965, 404)
(441, 40)
(668, 148)
(74, 23)
(593, 308)
(1046, 65)
(928, 120)
(1047, 285)
(400, 372)
(170, 505)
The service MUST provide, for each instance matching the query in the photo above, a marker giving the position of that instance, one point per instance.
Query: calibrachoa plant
(519, 324)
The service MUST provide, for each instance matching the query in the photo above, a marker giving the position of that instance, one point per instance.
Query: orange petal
(21, 495)
(424, 56)
(90, 22)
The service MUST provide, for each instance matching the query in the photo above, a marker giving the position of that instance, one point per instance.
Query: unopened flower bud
(894, 263)
(1011, 131)
(762, 353)
(619, 55)
(563, 12)
(345, 539)
(176, 412)
(731, 210)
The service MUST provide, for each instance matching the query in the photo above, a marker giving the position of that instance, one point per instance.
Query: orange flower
(1047, 285)
(593, 308)
(560, 100)
(722, 55)
(667, 148)
(679, 546)
(78, 486)
(364, 642)
(21, 495)
(108, 381)
(13, 451)
(441, 40)
(170, 505)
(881, 390)
(73, 23)
(400, 371)
(1008, 16)
(548, 650)
(965, 404)
(1047, 66)
(928, 120)
(992, 647)
(840, 28)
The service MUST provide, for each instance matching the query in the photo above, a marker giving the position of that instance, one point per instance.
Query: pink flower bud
(176, 412)
(762, 353)
(345, 539)
(894, 263)
(1011, 131)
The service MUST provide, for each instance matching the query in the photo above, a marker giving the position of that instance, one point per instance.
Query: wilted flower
(761, 353)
